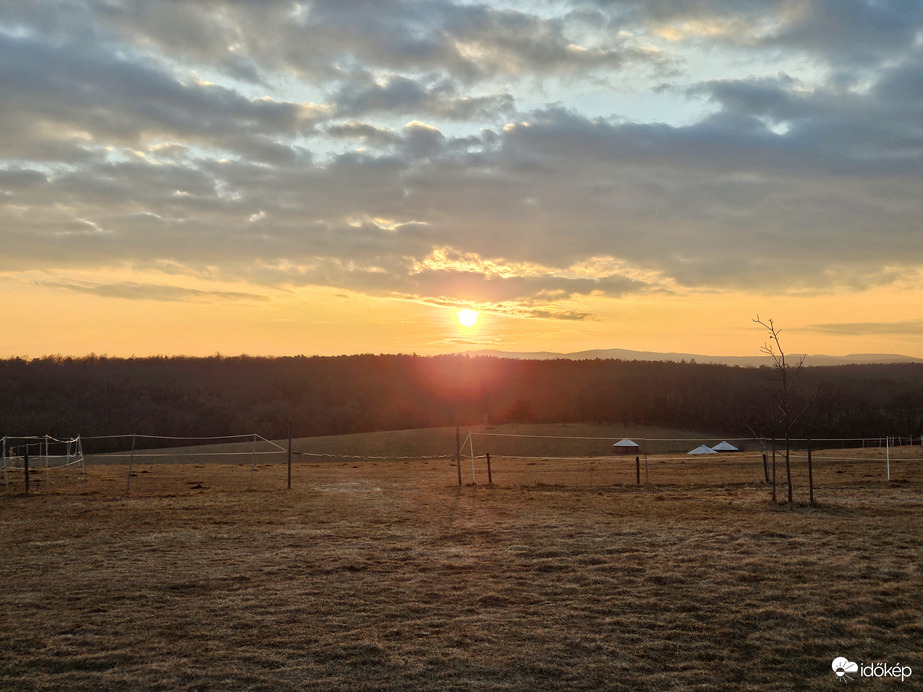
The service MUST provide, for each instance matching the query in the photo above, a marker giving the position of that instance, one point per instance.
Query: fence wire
(251, 461)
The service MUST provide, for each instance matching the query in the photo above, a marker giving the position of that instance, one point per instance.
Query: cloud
(707, 204)
(356, 129)
(66, 94)
(322, 39)
(906, 328)
(400, 94)
(350, 143)
(854, 33)
(158, 292)
(20, 178)
(515, 309)
(546, 287)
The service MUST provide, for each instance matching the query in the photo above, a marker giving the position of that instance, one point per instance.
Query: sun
(467, 318)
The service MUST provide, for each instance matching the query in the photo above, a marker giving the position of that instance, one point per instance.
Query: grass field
(387, 575)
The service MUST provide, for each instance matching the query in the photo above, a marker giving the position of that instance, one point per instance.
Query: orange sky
(325, 321)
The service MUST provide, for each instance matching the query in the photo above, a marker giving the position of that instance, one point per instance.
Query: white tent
(703, 449)
(625, 446)
(725, 447)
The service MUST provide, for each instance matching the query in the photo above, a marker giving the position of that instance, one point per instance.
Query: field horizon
(579, 439)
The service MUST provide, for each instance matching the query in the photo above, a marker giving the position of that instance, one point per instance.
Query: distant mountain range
(744, 361)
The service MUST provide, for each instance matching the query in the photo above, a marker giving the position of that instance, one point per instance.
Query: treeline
(197, 397)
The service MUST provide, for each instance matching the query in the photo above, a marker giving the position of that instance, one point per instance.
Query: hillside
(810, 359)
(199, 397)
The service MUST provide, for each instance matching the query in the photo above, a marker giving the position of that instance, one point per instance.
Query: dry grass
(386, 575)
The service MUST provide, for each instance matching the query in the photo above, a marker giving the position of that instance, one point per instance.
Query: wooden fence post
(458, 453)
(773, 469)
(638, 470)
(83, 462)
(25, 463)
(765, 468)
(888, 454)
(490, 480)
(810, 475)
(252, 462)
(289, 456)
(131, 460)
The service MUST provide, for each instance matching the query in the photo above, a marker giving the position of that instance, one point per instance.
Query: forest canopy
(221, 395)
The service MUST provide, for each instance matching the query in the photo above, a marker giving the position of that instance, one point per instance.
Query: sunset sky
(338, 177)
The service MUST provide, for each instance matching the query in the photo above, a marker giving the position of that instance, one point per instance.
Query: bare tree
(787, 378)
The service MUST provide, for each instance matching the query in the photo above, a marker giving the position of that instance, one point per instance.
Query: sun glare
(467, 318)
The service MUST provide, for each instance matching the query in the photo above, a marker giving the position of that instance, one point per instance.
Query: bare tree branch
(787, 379)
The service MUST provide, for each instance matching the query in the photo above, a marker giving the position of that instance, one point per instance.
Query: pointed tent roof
(625, 442)
(703, 449)
(725, 447)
